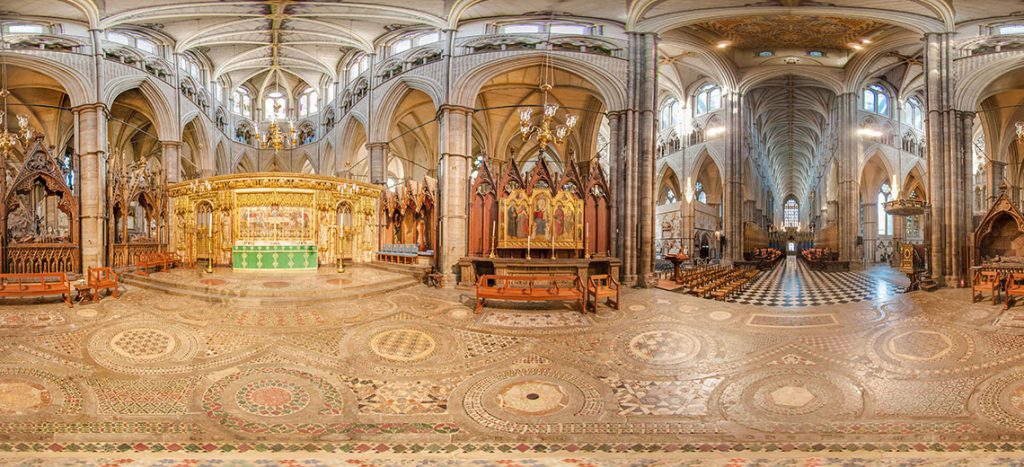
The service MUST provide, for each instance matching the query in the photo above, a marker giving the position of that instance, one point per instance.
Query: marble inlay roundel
(142, 343)
(20, 397)
(403, 345)
(536, 398)
(271, 398)
(663, 347)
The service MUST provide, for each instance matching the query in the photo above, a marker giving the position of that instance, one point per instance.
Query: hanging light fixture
(546, 130)
(9, 141)
(276, 139)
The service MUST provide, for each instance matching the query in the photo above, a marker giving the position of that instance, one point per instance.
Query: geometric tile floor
(414, 377)
(793, 283)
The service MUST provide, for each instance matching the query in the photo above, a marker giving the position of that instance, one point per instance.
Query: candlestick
(586, 232)
(494, 233)
(528, 237)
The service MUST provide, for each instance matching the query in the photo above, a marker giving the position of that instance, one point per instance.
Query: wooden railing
(29, 259)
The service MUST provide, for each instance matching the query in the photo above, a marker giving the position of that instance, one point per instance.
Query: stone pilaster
(91, 138)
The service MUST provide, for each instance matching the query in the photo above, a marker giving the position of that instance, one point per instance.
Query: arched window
(699, 194)
(275, 106)
(358, 66)
(242, 103)
(915, 113)
(876, 99)
(884, 220)
(791, 214)
(708, 99)
(669, 112)
(308, 102)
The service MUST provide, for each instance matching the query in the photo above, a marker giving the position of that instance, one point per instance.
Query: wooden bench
(35, 285)
(157, 260)
(1014, 288)
(529, 288)
(399, 253)
(603, 285)
(102, 279)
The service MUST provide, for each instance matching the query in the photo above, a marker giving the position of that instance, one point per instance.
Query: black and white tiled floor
(792, 283)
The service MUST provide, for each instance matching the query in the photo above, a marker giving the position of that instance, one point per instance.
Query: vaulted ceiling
(791, 116)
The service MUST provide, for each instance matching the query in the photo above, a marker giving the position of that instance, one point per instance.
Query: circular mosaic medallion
(719, 315)
(1001, 399)
(144, 347)
(918, 346)
(28, 391)
(637, 307)
(83, 312)
(403, 345)
(142, 343)
(21, 397)
(788, 399)
(276, 284)
(663, 347)
(534, 398)
(271, 398)
(275, 401)
(530, 399)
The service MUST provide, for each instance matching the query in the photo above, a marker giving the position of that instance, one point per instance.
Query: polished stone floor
(413, 374)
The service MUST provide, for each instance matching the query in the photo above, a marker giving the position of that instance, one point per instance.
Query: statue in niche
(22, 224)
(421, 237)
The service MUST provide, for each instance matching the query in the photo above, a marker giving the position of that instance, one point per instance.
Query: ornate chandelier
(9, 141)
(276, 138)
(547, 130)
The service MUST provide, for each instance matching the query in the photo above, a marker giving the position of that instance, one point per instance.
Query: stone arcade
(531, 232)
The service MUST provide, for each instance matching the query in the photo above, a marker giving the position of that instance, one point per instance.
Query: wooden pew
(529, 288)
(35, 285)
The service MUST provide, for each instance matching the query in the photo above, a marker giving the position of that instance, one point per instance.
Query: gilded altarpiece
(215, 215)
(542, 215)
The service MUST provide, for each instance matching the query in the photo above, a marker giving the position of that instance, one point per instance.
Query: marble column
(732, 213)
(378, 163)
(91, 140)
(171, 154)
(848, 215)
(615, 169)
(641, 90)
(455, 126)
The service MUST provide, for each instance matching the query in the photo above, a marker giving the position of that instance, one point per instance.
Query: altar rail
(127, 255)
(29, 259)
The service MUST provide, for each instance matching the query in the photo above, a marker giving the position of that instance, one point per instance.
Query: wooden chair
(1014, 288)
(985, 281)
(603, 285)
(102, 278)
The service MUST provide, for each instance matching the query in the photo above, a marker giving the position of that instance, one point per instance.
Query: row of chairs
(997, 283)
(691, 278)
(723, 286)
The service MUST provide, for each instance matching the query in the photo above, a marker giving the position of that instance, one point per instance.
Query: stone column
(963, 198)
(616, 159)
(378, 163)
(732, 213)
(849, 188)
(641, 90)
(171, 153)
(994, 174)
(455, 126)
(91, 138)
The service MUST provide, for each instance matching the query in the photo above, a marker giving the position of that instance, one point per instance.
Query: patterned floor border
(469, 448)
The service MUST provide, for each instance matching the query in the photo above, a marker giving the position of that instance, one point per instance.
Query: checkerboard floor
(793, 284)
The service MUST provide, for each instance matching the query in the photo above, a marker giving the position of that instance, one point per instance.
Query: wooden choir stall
(999, 251)
(409, 215)
(538, 223)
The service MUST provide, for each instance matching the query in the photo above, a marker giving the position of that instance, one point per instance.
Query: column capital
(95, 106)
(170, 144)
(615, 113)
(454, 108)
(383, 145)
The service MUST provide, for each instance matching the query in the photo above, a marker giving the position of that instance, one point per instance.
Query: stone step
(258, 296)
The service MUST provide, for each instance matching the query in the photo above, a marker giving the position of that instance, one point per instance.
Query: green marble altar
(274, 257)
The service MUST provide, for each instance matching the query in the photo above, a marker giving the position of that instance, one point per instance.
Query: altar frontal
(274, 222)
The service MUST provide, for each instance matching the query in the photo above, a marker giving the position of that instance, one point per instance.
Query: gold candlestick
(528, 237)
(494, 238)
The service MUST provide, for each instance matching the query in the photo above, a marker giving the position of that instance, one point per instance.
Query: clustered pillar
(91, 130)
(948, 133)
(847, 156)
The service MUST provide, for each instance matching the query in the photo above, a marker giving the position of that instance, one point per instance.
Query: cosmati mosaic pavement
(414, 373)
